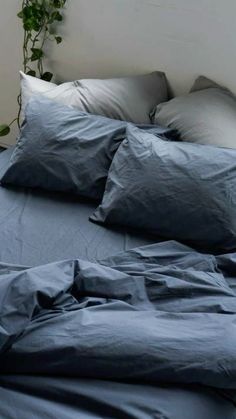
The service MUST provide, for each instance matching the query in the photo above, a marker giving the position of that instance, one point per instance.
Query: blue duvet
(157, 322)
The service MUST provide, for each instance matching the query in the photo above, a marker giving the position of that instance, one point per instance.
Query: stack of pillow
(115, 141)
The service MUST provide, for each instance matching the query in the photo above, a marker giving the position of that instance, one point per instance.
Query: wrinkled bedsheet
(157, 321)
(38, 227)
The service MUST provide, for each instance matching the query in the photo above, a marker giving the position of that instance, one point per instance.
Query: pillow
(202, 83)
(63, 149)
(206, 116)
(128, 99)
(174, 190)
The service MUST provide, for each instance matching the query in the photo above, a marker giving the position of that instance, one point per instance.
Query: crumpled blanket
(162, 313)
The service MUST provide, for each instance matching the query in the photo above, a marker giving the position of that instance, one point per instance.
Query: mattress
(38, 227)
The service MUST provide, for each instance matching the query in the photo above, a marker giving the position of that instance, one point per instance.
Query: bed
(99, 319)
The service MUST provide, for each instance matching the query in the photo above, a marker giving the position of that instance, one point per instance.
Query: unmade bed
(117, 261)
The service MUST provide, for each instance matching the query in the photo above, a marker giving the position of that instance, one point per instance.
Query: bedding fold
(163, 313)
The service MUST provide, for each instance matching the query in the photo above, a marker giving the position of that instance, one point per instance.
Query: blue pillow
(175, 190)
(62, 149)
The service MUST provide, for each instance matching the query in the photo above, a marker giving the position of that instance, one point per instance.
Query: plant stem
(12, 122)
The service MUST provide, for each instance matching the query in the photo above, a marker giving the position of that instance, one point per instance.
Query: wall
(103, 38)
(10, 62)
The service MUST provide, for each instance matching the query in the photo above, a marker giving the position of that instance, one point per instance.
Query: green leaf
(31, 73)
(59, 17)
(33, 16)
(31, 24)
(57, 4)
(47, 76)
(20, 14)
(58, 39)
(37, 53)
(56, 16)
(27, 12)
(4, 130)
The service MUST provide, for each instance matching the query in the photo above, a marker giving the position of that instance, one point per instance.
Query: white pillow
(127, 98)
(32, 86)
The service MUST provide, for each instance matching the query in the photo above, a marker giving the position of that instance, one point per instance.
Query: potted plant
(39, 20)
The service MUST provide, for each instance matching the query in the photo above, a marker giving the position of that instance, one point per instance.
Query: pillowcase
(63, 149)
(174, 190)
(128, 98)
(207, 115)
(202, 83)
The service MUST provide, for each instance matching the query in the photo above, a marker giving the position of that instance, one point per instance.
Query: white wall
(10, 59)
(103, 38)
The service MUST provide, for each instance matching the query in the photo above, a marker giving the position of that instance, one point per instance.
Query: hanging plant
(40, 19)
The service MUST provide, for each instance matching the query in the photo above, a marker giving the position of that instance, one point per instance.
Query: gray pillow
(202, 83)
(128, 98)
(207, 115)
(63, 149)
(174, 190)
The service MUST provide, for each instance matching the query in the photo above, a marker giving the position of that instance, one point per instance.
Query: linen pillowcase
(128, 98)
(202, 83)
(63, 149)
(207, 115)
(174, 190)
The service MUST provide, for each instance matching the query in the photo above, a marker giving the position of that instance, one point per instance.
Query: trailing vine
(39, 19)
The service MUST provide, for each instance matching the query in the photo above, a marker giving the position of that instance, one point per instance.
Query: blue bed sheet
(38, 227)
